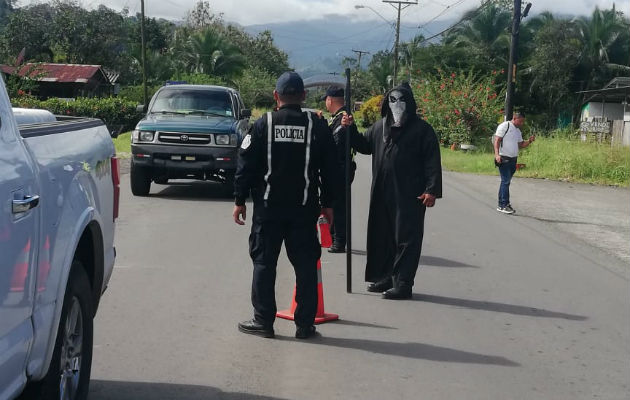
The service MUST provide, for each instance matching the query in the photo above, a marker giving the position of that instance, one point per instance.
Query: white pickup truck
(59, 194)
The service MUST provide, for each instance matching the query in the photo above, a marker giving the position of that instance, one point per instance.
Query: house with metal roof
(605, 112)
(66, 80)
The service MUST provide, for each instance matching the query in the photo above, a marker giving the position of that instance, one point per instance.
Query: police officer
(285, 161)
(334, 99)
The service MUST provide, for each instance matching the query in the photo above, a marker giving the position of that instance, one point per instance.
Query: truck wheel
(68, 376)
(140, 180)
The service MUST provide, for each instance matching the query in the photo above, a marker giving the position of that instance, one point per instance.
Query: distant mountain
(319, 46)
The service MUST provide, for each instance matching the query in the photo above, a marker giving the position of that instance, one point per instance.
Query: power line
(445, 10)
(461, 21)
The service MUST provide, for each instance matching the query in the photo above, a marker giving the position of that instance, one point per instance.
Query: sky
(253, 12)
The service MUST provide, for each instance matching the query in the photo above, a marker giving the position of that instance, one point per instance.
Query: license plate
(190, 158)
(176, 158)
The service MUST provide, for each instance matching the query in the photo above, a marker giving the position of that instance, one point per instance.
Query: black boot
(253, 327)
(380, 286)
(337, 248)
(305, 332)
(398, 293)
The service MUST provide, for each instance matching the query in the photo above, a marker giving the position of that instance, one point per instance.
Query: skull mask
(398, 107)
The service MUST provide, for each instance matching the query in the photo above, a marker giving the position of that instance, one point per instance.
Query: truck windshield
(197, 102)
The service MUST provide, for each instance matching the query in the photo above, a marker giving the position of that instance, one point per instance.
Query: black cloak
(405, 164)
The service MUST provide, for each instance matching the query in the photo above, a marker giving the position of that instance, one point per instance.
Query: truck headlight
(222, 139)
(146, 136)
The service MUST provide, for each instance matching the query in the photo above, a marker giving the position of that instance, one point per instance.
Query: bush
(136, 93)
(370, 111)
(118, 114)
(461, 107)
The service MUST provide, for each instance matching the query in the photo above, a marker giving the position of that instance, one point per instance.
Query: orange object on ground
(324, 232)
(320, 316)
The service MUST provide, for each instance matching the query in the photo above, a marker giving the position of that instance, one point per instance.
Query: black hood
(405, 89)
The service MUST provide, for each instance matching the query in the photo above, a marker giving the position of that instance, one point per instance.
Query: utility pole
(511, 78)
(144, 58)
(360, 53)
(398, 7)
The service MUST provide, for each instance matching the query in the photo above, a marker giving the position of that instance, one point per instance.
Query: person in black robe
(406, 179)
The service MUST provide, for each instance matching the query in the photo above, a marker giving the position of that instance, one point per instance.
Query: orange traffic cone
(320, 316)
(20, 269)
(324, 232)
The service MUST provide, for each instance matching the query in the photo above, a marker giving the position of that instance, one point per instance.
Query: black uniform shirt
(284, 164)
(339, 135)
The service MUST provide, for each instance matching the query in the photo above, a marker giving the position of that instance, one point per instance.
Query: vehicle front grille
(184, 138)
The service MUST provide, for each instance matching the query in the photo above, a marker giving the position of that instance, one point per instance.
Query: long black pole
(348, 103)
(509, 96)
(145, 93)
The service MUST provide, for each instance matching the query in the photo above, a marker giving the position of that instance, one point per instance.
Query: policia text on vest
(289, 133)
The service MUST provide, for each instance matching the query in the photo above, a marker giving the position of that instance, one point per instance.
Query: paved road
(505, 307)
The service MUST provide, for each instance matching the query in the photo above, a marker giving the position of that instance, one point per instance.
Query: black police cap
(290, 83)
(333, 91)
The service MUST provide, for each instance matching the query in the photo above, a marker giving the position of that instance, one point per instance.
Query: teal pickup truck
(189, 132)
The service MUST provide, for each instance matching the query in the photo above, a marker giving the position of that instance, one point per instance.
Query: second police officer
(334, 98)
(287, 163)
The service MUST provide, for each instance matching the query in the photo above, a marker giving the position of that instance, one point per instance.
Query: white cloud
(248, 12)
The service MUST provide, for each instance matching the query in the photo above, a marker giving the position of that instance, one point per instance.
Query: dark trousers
(507, 168)
(338, 229)
(299, 234)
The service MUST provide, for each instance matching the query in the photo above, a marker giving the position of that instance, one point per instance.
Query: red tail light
(116, 182)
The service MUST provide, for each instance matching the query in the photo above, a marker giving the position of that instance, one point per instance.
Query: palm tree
(485, 34)
(209, 53)
(604, 38)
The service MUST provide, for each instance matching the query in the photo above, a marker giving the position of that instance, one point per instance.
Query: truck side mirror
(246, 113)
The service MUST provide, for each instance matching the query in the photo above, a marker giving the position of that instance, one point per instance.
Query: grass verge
(554, 158)
(123, 144)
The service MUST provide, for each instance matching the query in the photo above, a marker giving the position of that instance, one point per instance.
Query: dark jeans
(300, 240)
(507, 168)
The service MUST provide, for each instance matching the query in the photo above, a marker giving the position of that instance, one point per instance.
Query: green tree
(604, 38)
(381, 69)
(484, 35)
(256, 86)
(552, 75)
(6, 6)
(202, 17)
(259, 51)
(27, 28)
(208, 52)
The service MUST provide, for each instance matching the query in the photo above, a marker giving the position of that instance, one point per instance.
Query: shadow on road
(419, 351)
(193, 191)
(497, 307)
(430, 261)
(120, 390)
(361, 324)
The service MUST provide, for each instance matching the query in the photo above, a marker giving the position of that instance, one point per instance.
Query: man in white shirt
(508, 140)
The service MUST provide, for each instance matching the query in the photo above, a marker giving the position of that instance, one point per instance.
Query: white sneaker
(506, 210)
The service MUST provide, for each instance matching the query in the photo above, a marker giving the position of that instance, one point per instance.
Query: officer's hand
(320, 114)
(328, 213)
(238, 211)
(347, 120)
(532, 138)
(427, 199)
